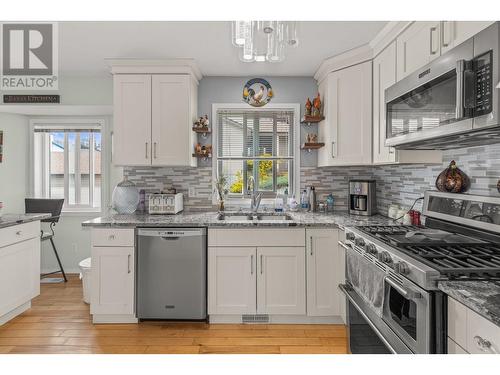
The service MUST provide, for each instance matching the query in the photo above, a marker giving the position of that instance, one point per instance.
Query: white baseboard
(278, 319)
(15, 312)
(113, 318)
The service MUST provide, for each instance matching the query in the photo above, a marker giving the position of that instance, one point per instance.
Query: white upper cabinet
(155, 104)
(384, 76)
(455, 32)
(132, 119)
(418, 45)
(347, 128)
(172, 118)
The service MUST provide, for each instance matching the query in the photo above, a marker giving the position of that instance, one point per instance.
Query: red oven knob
(384, 257)
(371, 249)
(359, 242)
(350, 236)
(402, 268)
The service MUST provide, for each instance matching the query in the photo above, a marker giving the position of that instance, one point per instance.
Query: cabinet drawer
(112, 237)
(483, 337)
(257, 237)
(18, 233)
(457, 322)
(454, 348)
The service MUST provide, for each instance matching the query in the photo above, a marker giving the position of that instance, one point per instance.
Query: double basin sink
(252, 217)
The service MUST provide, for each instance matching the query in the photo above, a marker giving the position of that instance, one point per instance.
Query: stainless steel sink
(245, 217)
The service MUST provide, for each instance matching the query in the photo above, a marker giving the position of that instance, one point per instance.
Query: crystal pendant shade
(264, 40)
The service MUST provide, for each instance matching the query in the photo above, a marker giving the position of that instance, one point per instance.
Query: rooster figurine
(258, 97)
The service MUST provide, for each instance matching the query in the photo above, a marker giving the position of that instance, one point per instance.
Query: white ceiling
(83, 46)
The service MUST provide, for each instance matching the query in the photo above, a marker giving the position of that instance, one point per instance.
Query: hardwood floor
(59, 322)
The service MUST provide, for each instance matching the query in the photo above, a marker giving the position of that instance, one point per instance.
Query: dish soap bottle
(278, 203)
(304, 200)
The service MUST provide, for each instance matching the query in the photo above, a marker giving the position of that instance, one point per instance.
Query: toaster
(166, 204)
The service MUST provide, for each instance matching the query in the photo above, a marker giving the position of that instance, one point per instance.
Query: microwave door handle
(459, 113)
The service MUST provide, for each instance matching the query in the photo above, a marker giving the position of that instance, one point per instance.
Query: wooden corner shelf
(202, 130)
(311, 146)
(311, 119)
(201, 156)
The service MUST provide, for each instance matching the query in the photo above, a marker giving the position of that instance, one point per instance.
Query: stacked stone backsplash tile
(155, 179)
(400, 184)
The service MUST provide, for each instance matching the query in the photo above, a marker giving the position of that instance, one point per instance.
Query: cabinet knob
(18, 233)
(484, 345)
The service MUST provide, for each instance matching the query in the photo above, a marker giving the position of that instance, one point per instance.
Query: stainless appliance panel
(171, 274)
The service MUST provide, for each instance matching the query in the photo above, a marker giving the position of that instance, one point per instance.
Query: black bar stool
(54, 207)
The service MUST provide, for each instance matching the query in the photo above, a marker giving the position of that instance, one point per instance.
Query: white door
(322, 256)
(232, 280)
(19, 274)
(350, 116)
(418, 45)
(132, 119)
(281, 283)
(171, 120)
(112, 289)
(455, 32)
(384, 75)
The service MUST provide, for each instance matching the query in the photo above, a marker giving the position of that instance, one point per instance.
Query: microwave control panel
(484, 83)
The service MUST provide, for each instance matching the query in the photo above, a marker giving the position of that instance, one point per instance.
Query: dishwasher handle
(171, 234)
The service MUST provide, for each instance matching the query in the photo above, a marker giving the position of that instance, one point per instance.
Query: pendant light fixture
(261, 41)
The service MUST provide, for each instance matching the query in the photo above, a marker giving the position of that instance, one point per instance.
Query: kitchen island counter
(8, 220)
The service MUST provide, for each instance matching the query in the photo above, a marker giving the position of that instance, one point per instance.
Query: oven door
(408, 311)
(367, 332)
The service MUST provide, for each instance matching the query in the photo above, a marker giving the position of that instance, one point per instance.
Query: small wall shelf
(308, 120)
(202, 156)
(311, 146)
(203, 131)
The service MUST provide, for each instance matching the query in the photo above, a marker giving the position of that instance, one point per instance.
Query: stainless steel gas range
(392, 272)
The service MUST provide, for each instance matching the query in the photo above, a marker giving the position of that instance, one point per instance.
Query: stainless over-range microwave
(451, 102)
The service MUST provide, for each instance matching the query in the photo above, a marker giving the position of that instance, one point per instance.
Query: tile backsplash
(400, 184)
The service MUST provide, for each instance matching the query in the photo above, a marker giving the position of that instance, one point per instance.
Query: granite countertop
(8, 220)
(482, 297)
(209, 219)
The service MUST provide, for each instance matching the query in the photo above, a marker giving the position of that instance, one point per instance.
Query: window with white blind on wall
(258, 144)
(67, 164)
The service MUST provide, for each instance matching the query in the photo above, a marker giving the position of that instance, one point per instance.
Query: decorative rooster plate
(257, 92)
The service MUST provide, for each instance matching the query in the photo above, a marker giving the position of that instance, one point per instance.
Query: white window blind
(257, 144)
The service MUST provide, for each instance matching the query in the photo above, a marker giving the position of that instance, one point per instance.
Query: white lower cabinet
(281, 280)
(232, 280)
(19, 268)
(324, 272)
(469, 332)
(113, 276)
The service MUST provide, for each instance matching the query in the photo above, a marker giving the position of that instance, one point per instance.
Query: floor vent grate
(259, 318)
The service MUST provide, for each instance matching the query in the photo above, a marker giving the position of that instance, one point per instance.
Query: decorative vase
(125, 197)
(453, 180)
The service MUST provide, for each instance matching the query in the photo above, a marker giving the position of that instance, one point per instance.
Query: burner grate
(459, 260)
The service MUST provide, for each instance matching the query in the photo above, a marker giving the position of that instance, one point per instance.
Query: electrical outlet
(192, 192)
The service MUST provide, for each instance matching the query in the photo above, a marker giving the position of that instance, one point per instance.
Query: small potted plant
(221, 191)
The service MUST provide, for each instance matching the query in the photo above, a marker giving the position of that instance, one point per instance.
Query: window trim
(74, 121)
(271, 107)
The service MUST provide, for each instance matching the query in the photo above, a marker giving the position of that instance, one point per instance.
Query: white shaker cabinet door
(322, 259)
(455, 32)
(132, 119)
(172, 142)
(19, 274)
(418, 45)
(281, 283)
(232, 280)
(112, 290)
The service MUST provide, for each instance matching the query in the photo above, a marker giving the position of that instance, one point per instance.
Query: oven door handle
(345, 289)
(408, 294)
(344, 245)
(459, 113)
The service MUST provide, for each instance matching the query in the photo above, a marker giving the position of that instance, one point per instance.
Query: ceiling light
(262, 41)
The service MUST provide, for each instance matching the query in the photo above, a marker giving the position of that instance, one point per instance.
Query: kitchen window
(257, 143)
(68, 163)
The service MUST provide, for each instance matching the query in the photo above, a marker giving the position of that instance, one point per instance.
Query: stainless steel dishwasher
(171, 273)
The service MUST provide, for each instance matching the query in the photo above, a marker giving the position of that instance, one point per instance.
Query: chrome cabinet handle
(443, 28)
(333, 149)
(432, 29)
(251, 264)
(311, 244)
(261, 271)
(154, 148)
(484, 345)
(146, 150)
(128, 263)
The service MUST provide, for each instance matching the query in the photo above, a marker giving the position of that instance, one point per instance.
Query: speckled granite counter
(8, 220)
(209, 219)
(481, 296)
